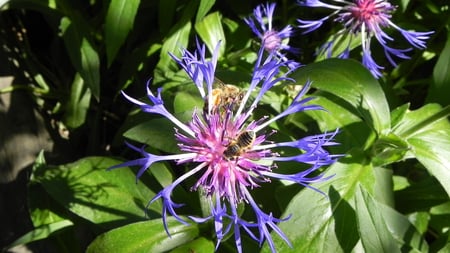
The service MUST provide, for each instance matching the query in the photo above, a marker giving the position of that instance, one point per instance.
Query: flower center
(271, 40)
(371, 12)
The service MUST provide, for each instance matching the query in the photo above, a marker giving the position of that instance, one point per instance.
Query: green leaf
(398, 114)
(203, 8)
(147, 236)
(382, 227)
(88, 190)
(317, 218)
(375, 236)
(353, 132)
(81, 52)
(157, 133)
(176, 39)
(185, 101)
(427, 131)
(119, 21)
(211, 31)
(200, 245)
(78, 104)
(41, 232)
(440, 88)
(354, 85)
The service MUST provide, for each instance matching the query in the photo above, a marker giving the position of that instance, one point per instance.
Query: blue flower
(366, 19)
(272, 40)
(232, 152)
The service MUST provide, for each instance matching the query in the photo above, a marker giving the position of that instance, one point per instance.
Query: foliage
(390, 193)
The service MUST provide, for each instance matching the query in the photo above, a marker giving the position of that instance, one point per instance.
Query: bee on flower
(232, 152)
(367, 19)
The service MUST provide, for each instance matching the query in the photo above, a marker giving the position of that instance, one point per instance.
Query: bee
(242, 143)
(224, 96)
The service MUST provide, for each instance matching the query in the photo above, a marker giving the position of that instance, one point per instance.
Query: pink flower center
(371, 12)
(271, 40)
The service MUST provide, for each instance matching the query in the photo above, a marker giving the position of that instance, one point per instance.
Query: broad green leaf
(157, 133)
(147, 236)
(398, 114)
(201, 244)
(173, 44)
(88, 190)
(81, 52)
(372, 228)
(162, 174)
(43, 209)
(317, 218)
(203, 8)
(211, 31)
(354, 85)
(78, 103)
(353, 133)
(185, 101)
(440, 88)
(382, 217)
(41, 232)
(119, 21)
(427, 131)
(176, 39)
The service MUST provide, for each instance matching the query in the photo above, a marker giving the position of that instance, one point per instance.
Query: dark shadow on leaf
(345, 221)
(80, 197)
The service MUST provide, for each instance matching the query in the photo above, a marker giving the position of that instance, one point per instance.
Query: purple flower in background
(271, 39)
(231, 150)
(367, 19)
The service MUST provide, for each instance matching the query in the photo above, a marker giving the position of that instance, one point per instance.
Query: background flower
(363, 20)
(272, 40)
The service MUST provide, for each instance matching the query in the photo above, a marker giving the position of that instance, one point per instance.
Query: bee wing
(218, 83)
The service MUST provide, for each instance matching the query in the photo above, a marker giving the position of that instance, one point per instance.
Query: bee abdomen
(232, 151)
(246, 139)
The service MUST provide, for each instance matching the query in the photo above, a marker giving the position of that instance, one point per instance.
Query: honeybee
(224, 96)
(242, 143)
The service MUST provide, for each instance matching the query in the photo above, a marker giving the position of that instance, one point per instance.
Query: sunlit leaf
(200, 245)
(372, 228)
(82, 53)
(147, 236)
(203, 8)
(157, 133)
(119, 21)
(317, 218)
(354, 85)
(88, 190)
(440, 88)
(41, 232)
(211, 31)
(427, 131)
(78, 104)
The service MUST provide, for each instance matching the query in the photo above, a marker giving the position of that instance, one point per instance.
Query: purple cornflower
(231, 150)
(271, 39)
(366, 18)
